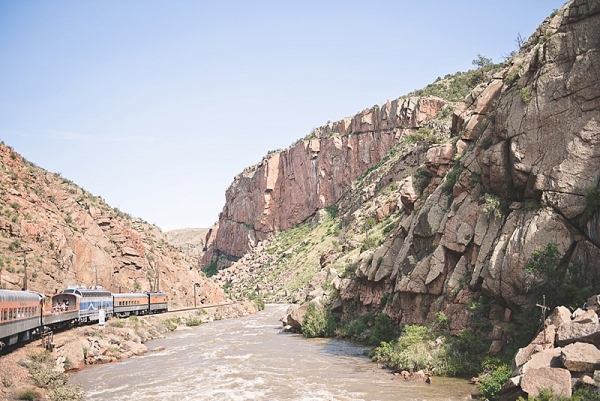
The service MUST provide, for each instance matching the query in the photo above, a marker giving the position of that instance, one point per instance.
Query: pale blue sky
(157, 105)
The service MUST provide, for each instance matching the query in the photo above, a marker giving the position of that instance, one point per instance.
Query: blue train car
(91, 300)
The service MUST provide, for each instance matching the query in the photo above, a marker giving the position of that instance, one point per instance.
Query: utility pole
(25, 279)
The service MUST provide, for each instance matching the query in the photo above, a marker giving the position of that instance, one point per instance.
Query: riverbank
(74, 349)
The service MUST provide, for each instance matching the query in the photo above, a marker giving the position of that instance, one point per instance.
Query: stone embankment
(562, 356)
(88, 345)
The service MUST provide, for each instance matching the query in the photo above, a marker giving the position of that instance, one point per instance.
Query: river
(249, 359)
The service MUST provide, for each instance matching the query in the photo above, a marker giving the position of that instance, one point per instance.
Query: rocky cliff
(289, 186)
(433, 228)
(60, 234)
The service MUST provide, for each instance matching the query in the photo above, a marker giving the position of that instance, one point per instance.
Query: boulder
(559, 317)
(580, 357)
(589, 316)
(578, 332)
(549, 358)
(556, 379)
(137, 348)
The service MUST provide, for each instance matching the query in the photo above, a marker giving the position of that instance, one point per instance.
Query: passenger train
(24, 314)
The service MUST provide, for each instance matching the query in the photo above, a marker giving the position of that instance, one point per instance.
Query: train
(25, 314)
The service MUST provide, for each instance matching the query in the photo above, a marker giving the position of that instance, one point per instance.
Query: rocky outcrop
(556, 362)
(289, 186)
(530, 144)
(60, 235)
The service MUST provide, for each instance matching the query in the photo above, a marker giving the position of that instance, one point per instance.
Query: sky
(157, 105)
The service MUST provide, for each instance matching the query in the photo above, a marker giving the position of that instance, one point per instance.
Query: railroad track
(202, 306)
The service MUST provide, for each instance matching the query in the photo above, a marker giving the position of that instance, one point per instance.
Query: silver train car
(139, 303)
(91, 301)
(20, 316)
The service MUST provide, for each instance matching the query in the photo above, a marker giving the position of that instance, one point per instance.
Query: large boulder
(580, 357)
(556, 379)
(578, 332)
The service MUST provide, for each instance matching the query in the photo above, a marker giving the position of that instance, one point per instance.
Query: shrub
(512, 76)
(193, 321)
(491, 382)
(370, 243)
(413, 350)
(568, 287)
(452, 178)
(592, 201)
(382, 329)
(526, 94)
(117, 323)
(210, 269)
(314, 323)
(42, 371)
(28, 395)
(332, 211)
(494, 206)
(423, 134)
(421, 179)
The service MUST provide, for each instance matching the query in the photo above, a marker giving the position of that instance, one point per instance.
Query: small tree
(368, 225)
(482, 63)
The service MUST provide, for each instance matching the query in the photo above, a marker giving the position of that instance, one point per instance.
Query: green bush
(117, 323)
(42, 371)
(210, 269)
(570, 287)
(332, 211)
(193, 321)
(421, 179)
(452, 178)
(526, 95)
(491, 381)
(592, 201)
(382, 329)
(29, 395)
(315, 322)
(423, 134)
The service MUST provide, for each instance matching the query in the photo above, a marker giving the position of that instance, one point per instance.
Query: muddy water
(248, 359)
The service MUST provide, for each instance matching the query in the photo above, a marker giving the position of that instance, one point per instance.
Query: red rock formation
(287, 187)
(70, 236)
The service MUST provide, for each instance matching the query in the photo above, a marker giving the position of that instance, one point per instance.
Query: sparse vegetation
(44, 375)
(210, 269)
(526, 94)
(569, 287)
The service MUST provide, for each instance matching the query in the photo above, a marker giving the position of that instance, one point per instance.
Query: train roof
(87, 292)
(10, 295)
(131, 294)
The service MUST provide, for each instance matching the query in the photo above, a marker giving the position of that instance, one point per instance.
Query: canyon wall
(526, 174)
(63, 235)
(289, 186)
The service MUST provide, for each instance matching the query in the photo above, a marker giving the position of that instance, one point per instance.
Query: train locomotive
(24, 314)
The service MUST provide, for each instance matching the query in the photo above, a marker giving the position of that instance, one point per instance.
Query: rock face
(190, 241)
(534, 134)
(289, 186)
(69, 236)
(520, 172)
